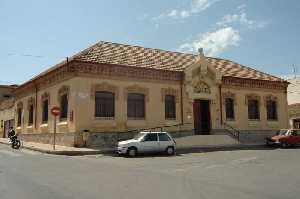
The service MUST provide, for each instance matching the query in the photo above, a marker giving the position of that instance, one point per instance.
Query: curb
(179, 150)
(68, 153)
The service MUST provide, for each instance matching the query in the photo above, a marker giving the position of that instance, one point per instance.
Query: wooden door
(202, 121)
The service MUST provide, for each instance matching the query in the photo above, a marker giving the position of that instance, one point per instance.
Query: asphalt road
(226, 174)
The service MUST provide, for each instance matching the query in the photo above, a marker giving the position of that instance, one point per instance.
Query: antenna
(294, 70)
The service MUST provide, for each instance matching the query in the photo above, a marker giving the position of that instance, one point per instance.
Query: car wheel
(132, 152)
(170, 150)
(284, 144)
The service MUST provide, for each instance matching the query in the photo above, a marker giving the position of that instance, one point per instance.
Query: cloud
(195, 8)
(213, 43)
(241, 18)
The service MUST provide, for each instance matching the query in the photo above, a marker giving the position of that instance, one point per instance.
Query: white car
(148, 142)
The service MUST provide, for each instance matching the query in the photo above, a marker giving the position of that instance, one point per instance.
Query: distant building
(111, 88)
(7, 115)
(294, 102)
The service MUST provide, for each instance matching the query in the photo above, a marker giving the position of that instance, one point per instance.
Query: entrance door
(202, 117)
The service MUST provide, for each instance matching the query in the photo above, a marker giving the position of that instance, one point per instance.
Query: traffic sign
(55, 111)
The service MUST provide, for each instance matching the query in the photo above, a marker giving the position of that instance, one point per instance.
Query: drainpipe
(221, 108)
(35, 110)
(181, 102)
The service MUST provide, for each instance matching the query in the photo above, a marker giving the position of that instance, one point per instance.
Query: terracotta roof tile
(127, 55)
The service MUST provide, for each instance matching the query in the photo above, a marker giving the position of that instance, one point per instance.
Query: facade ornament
(105, 87)
(201, 87)
(252, 97)
(169, 91)
(136, 89)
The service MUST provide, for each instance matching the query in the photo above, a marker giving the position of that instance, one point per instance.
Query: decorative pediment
(64, 90)
(252, 97)
(45, 96)
(136, 89)
(169, 91)
(20, 105)
(230, 95)
(201, 87)
(31, 101)
(105, 87)
(270, 98)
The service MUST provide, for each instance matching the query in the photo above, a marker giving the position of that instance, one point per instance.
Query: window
(45, 111)
(63, 107)
(19, 119)
(136, 105)
(253, 109)
(170, 107)
(229, 107)
(271, 110)
(163, 137)
(151, 137)
(30, 114)
(104, 104)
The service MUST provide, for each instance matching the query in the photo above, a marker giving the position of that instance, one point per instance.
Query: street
(264, 173)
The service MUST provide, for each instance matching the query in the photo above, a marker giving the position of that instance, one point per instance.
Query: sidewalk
(59, 150)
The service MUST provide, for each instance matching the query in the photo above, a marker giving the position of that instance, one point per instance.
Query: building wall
(242, 122)
(82, 104)
(38, 126)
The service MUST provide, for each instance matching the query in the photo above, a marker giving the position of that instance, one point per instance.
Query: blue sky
(35, 34)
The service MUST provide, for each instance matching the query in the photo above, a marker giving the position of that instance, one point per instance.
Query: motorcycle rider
(12, 134)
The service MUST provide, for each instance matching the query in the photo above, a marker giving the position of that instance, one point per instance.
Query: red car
(285, 138)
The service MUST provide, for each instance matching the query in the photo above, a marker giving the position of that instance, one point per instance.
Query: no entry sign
(55, 111)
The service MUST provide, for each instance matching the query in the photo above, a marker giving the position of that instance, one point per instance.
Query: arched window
(30, 110)
(19, 114)
(45, 107)
(229, 108)
(64, 106)
(136, 105)
(271, 110)
(170, 107)
(253, 109)
(104, 104)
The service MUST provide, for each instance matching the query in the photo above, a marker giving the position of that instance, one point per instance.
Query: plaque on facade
(201, 87)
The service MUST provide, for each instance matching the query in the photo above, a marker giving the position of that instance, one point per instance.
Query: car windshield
(282, 132)
(138, 136)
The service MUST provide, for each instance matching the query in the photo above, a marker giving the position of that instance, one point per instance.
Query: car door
(164, 141)
(297, 137)
(292, 139)
(149, 143)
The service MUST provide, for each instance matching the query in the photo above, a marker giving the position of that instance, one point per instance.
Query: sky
(36, 34)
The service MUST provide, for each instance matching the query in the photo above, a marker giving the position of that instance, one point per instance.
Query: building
(111, 88)
(6, 109)
(294, 102)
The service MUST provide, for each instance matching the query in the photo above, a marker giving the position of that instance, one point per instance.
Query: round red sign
(55, 111)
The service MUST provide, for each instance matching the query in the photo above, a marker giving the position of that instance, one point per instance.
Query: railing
(234, 132)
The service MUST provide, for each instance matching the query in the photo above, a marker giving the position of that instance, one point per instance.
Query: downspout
(181, 101)
(221, 108)
(35, 110)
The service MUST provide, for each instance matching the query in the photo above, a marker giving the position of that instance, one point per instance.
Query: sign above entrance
(55, 111)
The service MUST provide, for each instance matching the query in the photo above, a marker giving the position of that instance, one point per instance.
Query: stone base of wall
(64, 139)
(249, 136)
(255, 136)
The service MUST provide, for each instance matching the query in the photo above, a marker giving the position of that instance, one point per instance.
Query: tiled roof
(127, 55)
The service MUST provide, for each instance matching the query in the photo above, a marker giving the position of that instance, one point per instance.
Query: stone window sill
(64, 123)
(19, 128)
(104, 118)
(44, 125)
(171, 119)
(30, 127)
(136, 118)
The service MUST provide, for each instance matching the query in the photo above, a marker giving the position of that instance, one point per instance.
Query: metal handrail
(234, 132)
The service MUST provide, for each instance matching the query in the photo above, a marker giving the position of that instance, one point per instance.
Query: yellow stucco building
(113, 87)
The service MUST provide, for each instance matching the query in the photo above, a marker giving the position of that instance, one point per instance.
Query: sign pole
(54, 134)
(55, 112)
